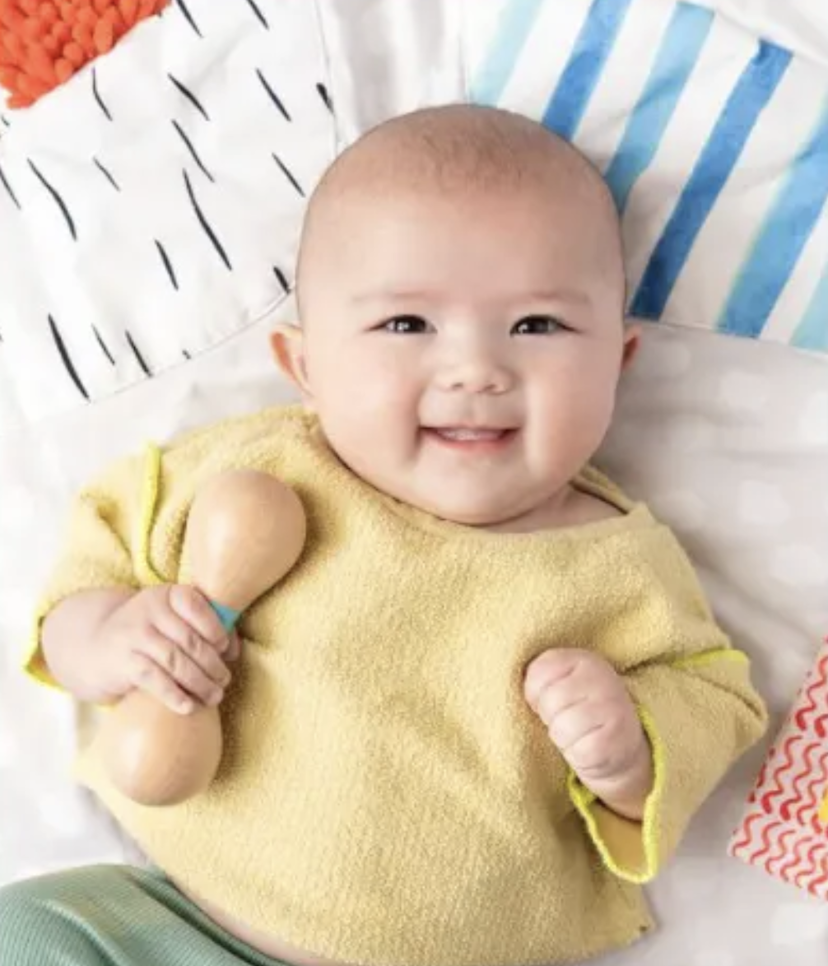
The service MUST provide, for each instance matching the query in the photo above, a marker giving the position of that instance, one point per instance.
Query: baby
(481, 710)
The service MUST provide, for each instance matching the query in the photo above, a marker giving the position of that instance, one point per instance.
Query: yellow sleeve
(699, 711)
(105, 544)
(145, 500)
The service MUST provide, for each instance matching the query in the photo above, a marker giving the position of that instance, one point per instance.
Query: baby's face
(463, 353)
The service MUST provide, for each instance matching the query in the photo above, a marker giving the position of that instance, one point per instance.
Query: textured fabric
(194, 144)
(384, 777)
(112, 916)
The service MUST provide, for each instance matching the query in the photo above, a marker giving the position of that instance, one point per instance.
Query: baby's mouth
(463, 434)
(470, 438)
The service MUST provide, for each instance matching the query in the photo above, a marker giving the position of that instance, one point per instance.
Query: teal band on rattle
(226, 615)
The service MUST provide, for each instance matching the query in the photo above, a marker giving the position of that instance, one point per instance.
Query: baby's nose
(476, 377)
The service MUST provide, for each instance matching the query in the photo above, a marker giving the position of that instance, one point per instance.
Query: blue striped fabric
(751, 93)
(812, 331)
(786, 228)
(676, 58)
(750, 276)
(515, 25)
(569, 99)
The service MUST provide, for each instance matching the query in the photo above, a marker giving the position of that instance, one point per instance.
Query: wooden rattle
(245, 531)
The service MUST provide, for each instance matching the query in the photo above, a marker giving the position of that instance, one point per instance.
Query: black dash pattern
(288, 175)
(103, 345)
(9, 190)
(280, 277)
(322, 91)
(259, 15)
(165, 258)
(106, 173)
(55, 194)
(208, 230)
(185, 10)
(274, 97)
(193, 152)
(66, 358)
(190, 96)
(97, 95)
(141, 361)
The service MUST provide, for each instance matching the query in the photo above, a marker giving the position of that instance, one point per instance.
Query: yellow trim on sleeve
(33, 663)
(628, 849)
(709, 657)
(150, 492)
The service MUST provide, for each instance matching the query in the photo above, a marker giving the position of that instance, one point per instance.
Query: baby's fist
(591, 718)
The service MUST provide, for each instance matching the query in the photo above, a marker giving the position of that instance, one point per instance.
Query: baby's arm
(165, 640)
(648, 742)
(592, 720)
(98, 633)
(70, 643)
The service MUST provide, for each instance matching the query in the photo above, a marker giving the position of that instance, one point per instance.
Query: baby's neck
(570, 507)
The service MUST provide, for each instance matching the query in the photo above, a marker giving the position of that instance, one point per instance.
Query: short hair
(458, 148)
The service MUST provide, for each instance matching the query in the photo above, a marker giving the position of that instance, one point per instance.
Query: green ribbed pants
(111, 915)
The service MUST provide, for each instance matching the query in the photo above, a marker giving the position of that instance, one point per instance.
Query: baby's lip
(471, 434)
(470, 428)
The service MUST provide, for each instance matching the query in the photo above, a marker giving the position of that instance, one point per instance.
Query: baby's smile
(479, 440)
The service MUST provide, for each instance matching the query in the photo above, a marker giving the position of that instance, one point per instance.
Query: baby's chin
(481, 514)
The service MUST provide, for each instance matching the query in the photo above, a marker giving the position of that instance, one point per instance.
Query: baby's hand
(169, 642)
(591, 718)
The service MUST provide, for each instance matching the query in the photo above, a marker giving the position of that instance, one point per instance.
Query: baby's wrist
(75, 644)
(627, 791)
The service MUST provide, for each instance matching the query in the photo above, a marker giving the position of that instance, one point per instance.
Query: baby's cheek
(377, 395)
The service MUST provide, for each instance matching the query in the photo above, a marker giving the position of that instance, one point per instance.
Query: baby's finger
(147, 676)
(548, 668)
(594, 756)
(194, 609)
(233, 651)
(201, 652)
(173, 659)
(573, 725)
(557, 699)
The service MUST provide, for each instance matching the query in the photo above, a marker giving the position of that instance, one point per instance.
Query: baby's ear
(632, 340)
(287, 344)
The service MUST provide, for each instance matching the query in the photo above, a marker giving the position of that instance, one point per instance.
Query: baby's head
(461, 294)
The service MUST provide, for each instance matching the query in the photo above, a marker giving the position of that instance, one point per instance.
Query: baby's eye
(406, 325)
(536, 325)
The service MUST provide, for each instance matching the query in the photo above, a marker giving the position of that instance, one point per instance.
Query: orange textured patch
(42, 44)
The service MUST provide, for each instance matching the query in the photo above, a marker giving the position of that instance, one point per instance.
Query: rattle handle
(227, 615)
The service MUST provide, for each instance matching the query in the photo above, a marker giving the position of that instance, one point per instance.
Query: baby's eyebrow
(576, 296)
(393, 295)
(423, 295)
(512, 302)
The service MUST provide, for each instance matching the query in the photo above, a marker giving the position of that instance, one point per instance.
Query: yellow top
(386, 795)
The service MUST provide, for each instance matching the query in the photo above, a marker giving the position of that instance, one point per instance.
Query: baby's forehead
(459, 152)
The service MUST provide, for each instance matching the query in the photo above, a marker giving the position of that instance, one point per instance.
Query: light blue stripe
(227, 615)
(586, 62)
(677, 55)
(784, 232)
(812, 331)
(752, 92)
(516, 20)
